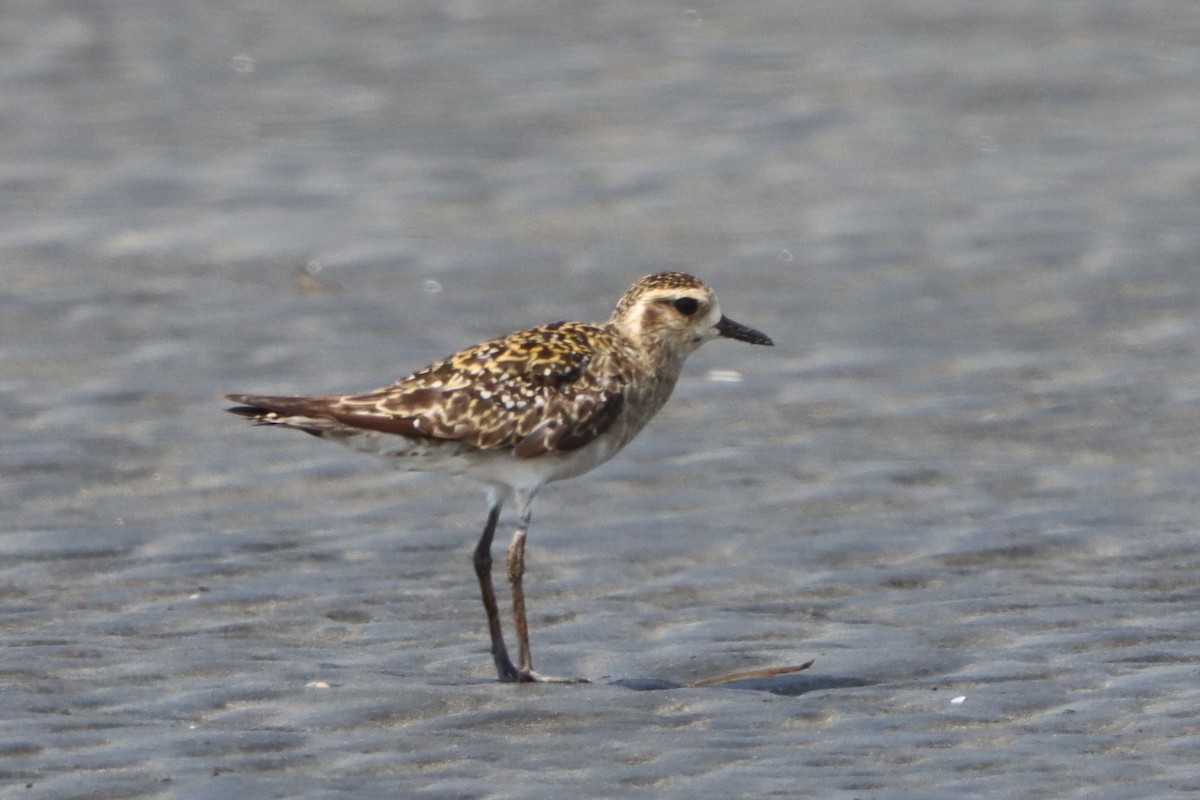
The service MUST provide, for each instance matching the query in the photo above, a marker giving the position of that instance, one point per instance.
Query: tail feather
(253, 405)
(308, 414)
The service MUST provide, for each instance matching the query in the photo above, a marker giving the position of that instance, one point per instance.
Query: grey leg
(516, 574)
(483, 571)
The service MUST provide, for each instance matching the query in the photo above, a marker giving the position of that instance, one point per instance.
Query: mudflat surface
(964, 481)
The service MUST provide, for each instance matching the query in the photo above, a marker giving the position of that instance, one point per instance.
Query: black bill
(743, 333)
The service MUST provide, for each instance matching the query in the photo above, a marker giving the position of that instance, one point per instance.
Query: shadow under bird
(520, 411)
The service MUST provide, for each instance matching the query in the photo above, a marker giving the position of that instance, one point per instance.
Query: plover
(520, 411)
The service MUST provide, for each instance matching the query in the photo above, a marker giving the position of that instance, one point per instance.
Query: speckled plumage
(525, 409)
(553, 388)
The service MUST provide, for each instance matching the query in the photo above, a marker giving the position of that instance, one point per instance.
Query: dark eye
(686, 306)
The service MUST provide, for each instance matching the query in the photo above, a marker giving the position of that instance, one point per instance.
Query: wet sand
(964, 481)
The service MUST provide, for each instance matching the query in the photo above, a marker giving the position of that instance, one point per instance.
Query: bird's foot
(508, 673)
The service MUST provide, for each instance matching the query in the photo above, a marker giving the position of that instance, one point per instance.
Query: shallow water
(963, 481)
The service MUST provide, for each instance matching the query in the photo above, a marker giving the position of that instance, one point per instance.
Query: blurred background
(967, 469)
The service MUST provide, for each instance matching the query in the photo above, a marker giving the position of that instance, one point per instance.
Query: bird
(520, 411)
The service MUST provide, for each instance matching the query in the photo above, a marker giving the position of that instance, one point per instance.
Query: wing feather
(552, 388)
